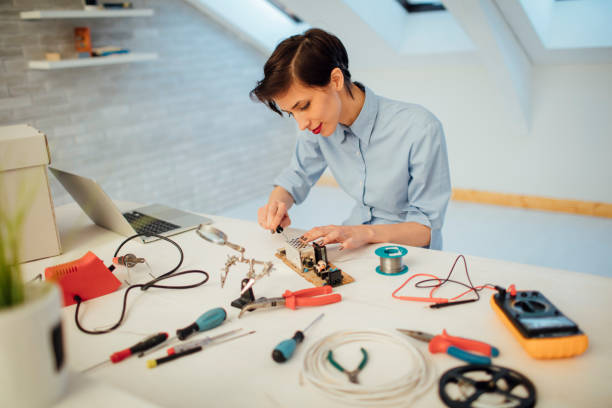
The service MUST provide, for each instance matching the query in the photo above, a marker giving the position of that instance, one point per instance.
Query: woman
(389, 156)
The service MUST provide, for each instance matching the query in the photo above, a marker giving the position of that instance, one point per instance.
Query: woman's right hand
(273, 214)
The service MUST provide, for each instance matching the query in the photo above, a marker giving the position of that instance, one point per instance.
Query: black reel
(473, 386)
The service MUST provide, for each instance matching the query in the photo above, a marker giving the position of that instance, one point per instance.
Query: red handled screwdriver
(144, 345)
(139, 347)
(209, 320)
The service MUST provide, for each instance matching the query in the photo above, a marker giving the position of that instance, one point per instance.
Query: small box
(24, 156)
(53, 56)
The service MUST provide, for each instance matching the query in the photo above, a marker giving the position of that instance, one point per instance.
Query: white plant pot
(32, 359)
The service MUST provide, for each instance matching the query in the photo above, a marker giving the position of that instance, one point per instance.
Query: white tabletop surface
(241, 372)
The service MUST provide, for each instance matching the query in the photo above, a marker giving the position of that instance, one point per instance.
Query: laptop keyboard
(144, 224)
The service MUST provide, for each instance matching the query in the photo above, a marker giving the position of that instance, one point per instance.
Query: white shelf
(47, 14)
(93, 61)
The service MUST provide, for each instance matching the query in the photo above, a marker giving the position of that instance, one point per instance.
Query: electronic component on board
(320, 252)
(311, 262)
(541, 328)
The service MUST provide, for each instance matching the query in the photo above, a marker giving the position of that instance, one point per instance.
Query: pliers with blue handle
(456, 346)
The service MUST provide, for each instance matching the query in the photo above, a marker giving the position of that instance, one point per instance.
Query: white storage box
(24, 156)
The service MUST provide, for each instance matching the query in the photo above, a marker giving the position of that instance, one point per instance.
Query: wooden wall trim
(591, 208)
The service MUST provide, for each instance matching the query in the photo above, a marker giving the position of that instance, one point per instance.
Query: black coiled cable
(145, 286)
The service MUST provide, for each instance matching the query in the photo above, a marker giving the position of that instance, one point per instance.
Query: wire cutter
(293, 300)
(352, 375)
(456, 346)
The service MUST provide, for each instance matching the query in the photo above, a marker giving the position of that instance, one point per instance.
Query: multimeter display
(534, 315)
(539, 326)
(536, 325)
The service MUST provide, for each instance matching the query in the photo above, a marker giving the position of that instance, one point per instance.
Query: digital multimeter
(541, 328)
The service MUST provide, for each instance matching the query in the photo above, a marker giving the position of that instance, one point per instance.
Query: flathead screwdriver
(139, 347)
(284, 350)
(144, 345)
(208, 320)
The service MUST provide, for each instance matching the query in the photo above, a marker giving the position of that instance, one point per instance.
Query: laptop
(153, 219)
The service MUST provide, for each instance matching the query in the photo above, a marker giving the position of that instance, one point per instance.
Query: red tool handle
(144, 345)
(442, 342)
(309, 297)
(322, 290)
(120, 355)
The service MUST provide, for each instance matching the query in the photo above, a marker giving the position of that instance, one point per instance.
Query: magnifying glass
(211, 234)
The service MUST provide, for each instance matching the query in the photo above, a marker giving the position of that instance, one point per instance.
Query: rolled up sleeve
(429, 188)
(305, 168)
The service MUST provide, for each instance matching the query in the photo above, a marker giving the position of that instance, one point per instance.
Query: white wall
(566, 153)
(180, 130)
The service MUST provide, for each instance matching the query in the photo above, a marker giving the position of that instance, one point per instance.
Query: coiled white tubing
(400, 391)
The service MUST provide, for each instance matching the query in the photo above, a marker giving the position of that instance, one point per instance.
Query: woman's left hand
(348, 236)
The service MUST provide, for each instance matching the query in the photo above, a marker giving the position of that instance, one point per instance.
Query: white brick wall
(180, 130)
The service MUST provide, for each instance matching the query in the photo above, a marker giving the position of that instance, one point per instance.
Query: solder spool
(391, 260)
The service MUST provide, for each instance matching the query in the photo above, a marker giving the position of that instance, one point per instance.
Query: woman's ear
(337, 79)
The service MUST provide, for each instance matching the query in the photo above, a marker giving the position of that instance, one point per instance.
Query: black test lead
(446, 304)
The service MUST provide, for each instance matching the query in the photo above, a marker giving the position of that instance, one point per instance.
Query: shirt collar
(363, 125)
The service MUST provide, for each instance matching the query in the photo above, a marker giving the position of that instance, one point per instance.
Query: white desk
(241, 372)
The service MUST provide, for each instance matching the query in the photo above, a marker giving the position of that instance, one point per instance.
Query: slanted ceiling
(508, 37)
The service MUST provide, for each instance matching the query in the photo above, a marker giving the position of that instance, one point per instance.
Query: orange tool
(456, 346)
(293, 300)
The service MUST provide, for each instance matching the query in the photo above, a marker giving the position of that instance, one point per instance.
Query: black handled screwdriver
(139, 347)
(209, 320)
(284, 350)
(280, 230)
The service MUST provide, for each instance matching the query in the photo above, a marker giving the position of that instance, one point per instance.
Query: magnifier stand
(218, 237)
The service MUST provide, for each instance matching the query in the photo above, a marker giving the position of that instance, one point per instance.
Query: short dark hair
(309, 58)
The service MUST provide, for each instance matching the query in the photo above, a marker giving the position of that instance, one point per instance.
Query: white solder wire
(390, 265)
(398, 392)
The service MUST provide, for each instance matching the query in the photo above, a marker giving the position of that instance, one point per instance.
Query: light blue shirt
(392, 161)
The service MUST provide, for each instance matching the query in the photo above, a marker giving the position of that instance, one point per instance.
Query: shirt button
(357, 154)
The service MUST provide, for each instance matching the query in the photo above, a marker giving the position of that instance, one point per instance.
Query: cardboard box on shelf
(24, 156)
(53, 56)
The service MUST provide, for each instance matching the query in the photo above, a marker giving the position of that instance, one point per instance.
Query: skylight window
(285, 11)
(563, 24)
(413, 33)
(267, 22)
(419, 6)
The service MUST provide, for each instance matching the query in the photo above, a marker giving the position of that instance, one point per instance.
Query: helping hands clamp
(252, 276)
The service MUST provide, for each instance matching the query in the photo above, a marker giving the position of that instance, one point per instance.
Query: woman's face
(314, 108)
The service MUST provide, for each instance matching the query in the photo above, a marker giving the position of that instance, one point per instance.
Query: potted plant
(32, 369)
